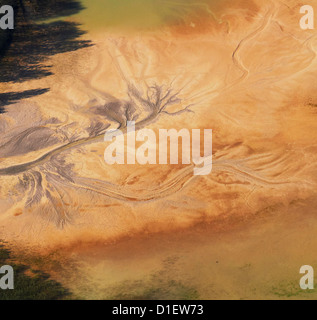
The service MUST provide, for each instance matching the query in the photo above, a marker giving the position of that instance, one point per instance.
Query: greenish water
(144, 14)
(29, 284)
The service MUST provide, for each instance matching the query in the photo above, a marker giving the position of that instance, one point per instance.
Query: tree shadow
(24, 51)
(30, 284)
(12, 97)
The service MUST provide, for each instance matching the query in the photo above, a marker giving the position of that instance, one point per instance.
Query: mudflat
(244, 69)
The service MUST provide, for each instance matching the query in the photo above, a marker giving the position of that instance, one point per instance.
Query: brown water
(143, 14)
(254, 260)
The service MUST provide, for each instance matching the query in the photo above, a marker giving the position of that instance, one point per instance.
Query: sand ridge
(248, 76)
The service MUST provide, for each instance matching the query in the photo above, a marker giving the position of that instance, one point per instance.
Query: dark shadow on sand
(24, 51)
(12, 97)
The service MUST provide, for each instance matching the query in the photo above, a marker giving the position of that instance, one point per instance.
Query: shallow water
(144, 14)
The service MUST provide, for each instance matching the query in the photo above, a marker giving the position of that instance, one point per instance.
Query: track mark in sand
(185, 176)
(235, 55)
(17, 169)
(176, 183)
(237, 61)
(200, 5)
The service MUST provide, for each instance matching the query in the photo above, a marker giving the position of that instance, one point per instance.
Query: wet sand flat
(242, 68)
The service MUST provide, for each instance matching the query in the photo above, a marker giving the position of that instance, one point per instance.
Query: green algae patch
(29, 284)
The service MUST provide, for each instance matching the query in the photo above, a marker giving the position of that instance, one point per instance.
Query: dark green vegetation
(291, 289)
(161, 285)
(166, 290)
(25, 50)
(29, 284)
